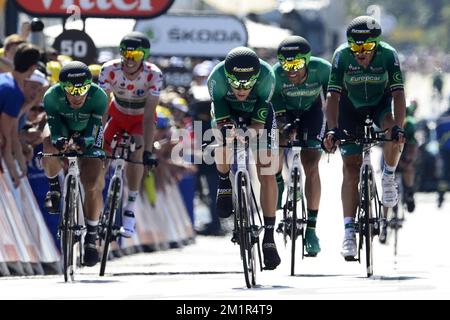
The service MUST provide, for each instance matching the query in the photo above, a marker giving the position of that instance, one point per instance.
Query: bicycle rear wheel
(67, 230)
(368, 230)
(113, 200)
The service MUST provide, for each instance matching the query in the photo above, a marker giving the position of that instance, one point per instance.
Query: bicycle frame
(294, 220)
(248, 230)
(79, 229)
(368, 223)
(72, 229)
(107, 230)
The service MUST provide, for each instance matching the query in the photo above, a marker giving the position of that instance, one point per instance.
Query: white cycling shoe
(349, 249)
(128, 225)
(390, 190)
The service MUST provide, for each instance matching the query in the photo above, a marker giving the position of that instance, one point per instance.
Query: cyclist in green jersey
(365, 78)
(75, 107)
(242, 87)
(409, 154)
(301, 81)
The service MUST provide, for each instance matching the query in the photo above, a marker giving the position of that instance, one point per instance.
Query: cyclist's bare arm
(399, 107)
(332, 113)
(106, 113)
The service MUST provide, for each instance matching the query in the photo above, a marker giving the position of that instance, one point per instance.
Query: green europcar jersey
(288, 96)
(63, 120)
(365, 87)
(224, 101)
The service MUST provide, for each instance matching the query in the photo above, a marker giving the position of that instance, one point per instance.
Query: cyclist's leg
(408, 174)
(223, 158)
(391, 152)
(312, 123)
(93, 180)
(352, 160)
(267, 166)
(134, 173)
(224, 200)
(281, 122)
(133, 125)
(52, 167)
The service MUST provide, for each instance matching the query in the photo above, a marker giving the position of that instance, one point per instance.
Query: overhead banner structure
(132, 9)
(194, 35)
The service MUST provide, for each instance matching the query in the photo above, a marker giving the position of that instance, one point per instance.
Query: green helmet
(136, 41)
(364, 29)
(242, 68)
(75, 78)
(292, 49)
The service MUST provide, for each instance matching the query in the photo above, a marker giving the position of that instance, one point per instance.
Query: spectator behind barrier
(10, 47)
(199, 107)
(16, 94)
(51, 54)
(11, 44)
(31, 136)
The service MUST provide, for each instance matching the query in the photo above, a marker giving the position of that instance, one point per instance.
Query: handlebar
(372, 138)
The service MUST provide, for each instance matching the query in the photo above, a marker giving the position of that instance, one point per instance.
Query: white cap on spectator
(203, 69)
(38, 76)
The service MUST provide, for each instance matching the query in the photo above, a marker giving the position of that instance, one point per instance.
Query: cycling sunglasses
(293, 65)
(365, 47)
(242, 84)
(135, 55)
(76, 90)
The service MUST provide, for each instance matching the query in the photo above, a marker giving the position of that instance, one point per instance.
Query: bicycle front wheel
(368, 230)
(113, 200)
(67, 230)
(245, 242)
(294, 220)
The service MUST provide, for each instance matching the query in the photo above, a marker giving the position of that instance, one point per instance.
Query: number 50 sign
(76, 44)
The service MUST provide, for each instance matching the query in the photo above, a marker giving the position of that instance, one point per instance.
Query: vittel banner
(137, 9)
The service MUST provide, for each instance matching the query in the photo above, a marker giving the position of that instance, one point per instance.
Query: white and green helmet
(242, 68)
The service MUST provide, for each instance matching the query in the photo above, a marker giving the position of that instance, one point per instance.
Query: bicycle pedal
(115, 234)
(235, 238)
(280, 228)
(310, 255)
